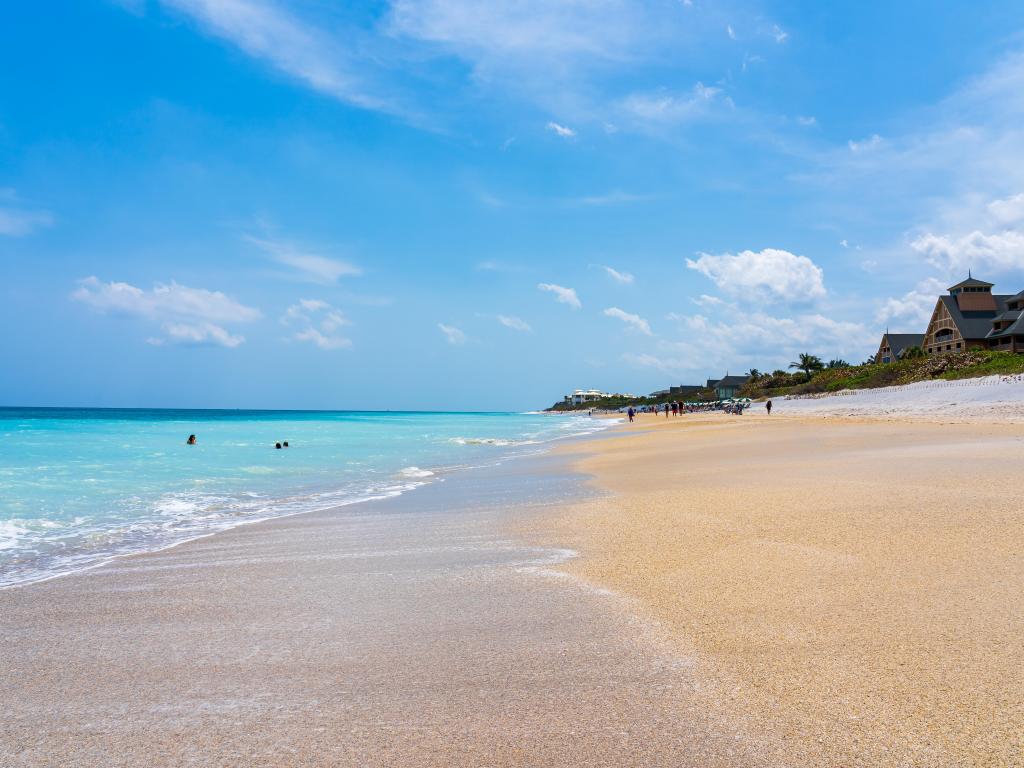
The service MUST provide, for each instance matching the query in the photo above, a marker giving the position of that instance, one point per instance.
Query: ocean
(80, 486)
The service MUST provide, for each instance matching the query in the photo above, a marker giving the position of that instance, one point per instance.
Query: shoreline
(829, 573)
(415, 632)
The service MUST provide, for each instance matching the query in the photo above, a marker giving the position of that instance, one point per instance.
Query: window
(958, 345)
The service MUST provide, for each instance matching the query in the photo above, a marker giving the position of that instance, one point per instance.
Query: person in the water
(191, 440)
(277, 445)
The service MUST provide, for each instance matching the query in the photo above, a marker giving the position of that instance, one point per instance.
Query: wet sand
(408, 632)
(857, 585)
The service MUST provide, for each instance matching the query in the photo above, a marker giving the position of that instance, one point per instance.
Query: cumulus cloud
(515, 323)
(1009, 210)
(317, 323)
(186, 315)
(1001, 251)
(309, 266)
(745, 339)
(562, 294)
(914, 308)
(452, 334)
(561, 130)
(632, 321)
(771, 273)
(620, 277)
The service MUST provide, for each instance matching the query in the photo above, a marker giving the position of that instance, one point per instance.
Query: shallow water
(78, 486)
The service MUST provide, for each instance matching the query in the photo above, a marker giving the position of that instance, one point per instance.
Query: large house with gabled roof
(895, 344)
(972, 317)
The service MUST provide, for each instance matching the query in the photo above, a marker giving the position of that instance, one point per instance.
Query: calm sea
(78, 486)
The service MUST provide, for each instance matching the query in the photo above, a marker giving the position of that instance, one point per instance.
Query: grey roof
(901, 341)
(971, 282)
(731, 381)
(974, 325)
(1016, 328)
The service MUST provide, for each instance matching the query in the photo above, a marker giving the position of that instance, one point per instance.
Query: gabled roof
(1016, 328)
(971, 282)
(901, 341)
(974, 325)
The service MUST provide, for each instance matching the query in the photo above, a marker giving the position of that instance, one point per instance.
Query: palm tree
(837, 364)
(754, 374)
(808, 363)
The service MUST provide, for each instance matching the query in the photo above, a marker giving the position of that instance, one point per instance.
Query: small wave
(416, 472)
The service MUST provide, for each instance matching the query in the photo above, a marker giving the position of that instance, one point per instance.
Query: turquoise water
(78, 486)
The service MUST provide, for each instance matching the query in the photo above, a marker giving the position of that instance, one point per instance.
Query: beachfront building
(583, 396)
(1007, 332)
(972, 317)
(685, 390)
(895, 344)
(726, 387)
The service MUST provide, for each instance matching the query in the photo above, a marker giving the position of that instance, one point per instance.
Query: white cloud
(662, 107)
(561, 130)
(265, 30)
(187, 315)
(635, 322)
(515, 323)
(807, 120)
(730, 31)
(872, 142)
(611, 198)
(744, 339)
(1001, 251)
(309, 266)
(318, 322)
(845, 243)
(914, 308)
(562, 294)
(620, 277)
(770, 273)
(779, 34)
(707, 301)
(452, 334)
(1009, 210)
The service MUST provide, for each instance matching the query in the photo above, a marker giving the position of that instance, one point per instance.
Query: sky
(449, 204)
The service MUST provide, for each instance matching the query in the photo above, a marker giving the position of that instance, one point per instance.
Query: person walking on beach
(630, 413)
(768, 407)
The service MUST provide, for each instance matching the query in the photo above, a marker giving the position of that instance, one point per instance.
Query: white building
(581, 396)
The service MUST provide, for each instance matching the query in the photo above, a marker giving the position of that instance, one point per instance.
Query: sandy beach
(856, 585)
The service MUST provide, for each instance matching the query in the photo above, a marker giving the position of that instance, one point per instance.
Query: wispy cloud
(561, 130)
(632, 321)
(452, 334)
(267, 31)
(620, 277)
(310, 266)
(616, 197)
(662, 107)
(18, 219)
(186, 315)
(318, 323)
(562, 294)
(515, 323)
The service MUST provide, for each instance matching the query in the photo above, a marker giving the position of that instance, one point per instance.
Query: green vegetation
(955, 365)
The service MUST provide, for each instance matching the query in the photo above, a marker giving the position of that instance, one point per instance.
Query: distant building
(726, 387)
(895, 344)
(972, 317)
(685, 390)
(582, 396)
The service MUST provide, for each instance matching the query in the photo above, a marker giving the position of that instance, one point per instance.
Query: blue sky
(453, 204)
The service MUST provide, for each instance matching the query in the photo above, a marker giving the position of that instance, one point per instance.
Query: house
(1007, 332)
(972, 317)
(727, 387)
(895, 344)
(581, 396)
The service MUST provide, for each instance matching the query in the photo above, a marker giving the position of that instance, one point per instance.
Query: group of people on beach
(673, 409)
(192, 441)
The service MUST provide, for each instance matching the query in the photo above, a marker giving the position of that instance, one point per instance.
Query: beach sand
(407, 632)
(856, 586)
